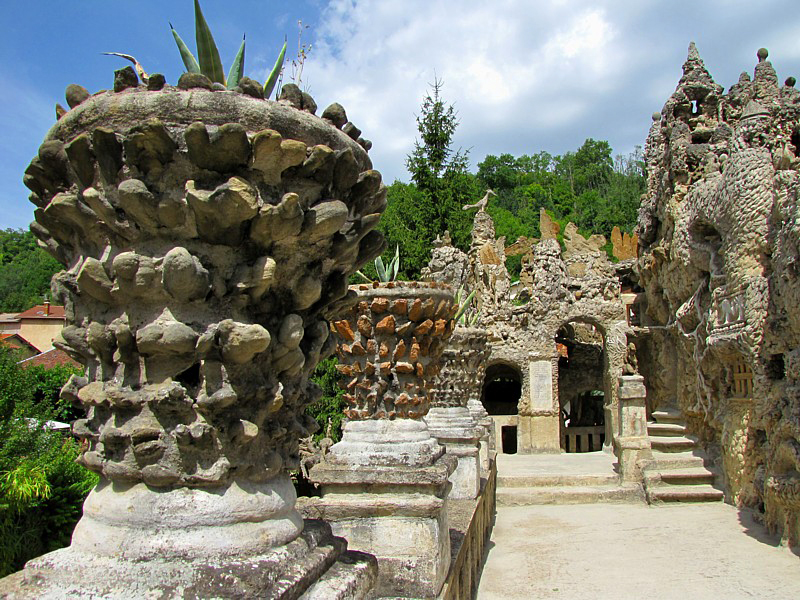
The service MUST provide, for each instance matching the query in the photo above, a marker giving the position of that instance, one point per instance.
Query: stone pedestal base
(539, 434)
(396, 512)
(133, 541)
(455, 429)
(283, 572)
(632, 452)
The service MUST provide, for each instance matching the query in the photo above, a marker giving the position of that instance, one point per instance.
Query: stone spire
(694, 69)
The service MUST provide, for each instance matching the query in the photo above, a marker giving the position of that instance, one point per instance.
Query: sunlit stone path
(632, 551)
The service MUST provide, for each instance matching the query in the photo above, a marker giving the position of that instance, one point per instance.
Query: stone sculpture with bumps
(385, 484)
(450, 420)
(464, 430)
(204, 234)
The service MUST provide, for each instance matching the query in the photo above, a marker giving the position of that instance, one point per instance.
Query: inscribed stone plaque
(541, 383)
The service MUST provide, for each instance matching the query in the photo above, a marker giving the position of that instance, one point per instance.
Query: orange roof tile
(49, 359)
(42, 311)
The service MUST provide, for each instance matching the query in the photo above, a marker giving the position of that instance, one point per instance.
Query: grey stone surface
(680, 551)
(718, 249)
(198, 331)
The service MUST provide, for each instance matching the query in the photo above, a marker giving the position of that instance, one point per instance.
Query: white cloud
(502, 63)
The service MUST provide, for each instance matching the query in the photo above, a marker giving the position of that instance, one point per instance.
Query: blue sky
(524, 75)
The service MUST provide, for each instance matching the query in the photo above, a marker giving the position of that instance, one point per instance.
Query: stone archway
(500, 395)
(611, 341)
(581, 386)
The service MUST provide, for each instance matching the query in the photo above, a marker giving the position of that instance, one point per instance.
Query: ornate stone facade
(719, 252)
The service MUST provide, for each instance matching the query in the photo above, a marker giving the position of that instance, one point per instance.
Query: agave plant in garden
(208, 62)
(385, 273)
(466, 315)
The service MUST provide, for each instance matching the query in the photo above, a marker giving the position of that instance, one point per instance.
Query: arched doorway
(581, 386)
(502, 389)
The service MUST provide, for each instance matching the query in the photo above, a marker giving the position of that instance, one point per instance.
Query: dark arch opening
(502, 389)
(581, 365)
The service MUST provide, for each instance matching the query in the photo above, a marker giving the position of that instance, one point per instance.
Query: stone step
(683, 476)
(663, 461)
(529, 496)
(665, 429)
(351, 577)
(671, 443)
(669, 415)
(556, 479)
(683, 493)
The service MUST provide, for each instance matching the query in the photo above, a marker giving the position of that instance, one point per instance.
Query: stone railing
(727, 313)
(467, 551)
(584, 439)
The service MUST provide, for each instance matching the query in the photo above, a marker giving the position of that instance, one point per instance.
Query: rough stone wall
(719, 257)
(578, 286)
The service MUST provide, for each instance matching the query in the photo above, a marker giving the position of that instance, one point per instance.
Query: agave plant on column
(200, 257)
(384, 485)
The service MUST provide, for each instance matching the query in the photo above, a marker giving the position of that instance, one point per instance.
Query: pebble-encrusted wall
(719, 252)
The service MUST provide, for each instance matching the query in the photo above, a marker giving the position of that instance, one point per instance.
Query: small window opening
(776, 368)
(190, 378)
(795, 141)
(509, 439)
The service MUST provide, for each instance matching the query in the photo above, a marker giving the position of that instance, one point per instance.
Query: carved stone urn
(385, 484)
(450, 420)
(204, 234)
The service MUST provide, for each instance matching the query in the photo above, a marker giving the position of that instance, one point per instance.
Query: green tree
(25, 271)
(41, 487)
(330, 407)
(441, 184)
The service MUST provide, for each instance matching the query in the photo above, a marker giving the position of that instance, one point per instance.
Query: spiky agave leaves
(209, 63)
(462, 316)
(385, 274)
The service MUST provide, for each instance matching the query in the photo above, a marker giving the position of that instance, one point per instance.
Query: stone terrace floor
(630, 551)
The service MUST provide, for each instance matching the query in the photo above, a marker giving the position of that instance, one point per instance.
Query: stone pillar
(540, 430)
(632, 442)
(449, 419)
(485, 425)
(196, 280)
(385, 484)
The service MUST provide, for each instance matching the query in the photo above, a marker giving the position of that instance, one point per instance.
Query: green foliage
(420, 211)
(210, 64)
(25, 271)
(383, 273)
(466, 315)
(586, 187)
(330, 407)
(41, 487)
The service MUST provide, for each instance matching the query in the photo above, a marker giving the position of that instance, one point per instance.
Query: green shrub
(330, 407)
(42, 489)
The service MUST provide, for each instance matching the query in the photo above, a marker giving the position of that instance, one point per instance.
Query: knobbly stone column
(200, 256)
(385, 484)
(633, 444)
(449, 419)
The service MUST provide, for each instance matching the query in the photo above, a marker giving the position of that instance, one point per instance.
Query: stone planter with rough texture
(450, 420)
(385, 484)
(204, 234)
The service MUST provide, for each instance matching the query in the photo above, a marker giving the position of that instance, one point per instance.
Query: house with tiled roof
(49, 359)
(19, 344)
(41, 324)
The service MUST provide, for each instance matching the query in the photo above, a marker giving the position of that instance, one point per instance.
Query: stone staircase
(556, 485)
(677, 472)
